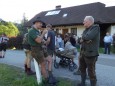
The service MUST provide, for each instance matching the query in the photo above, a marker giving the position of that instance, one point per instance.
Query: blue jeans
(60, 44)
(107, 48)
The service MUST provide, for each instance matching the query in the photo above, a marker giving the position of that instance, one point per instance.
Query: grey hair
(90, 18)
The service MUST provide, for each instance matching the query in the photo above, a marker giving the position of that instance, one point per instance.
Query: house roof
(75, 15)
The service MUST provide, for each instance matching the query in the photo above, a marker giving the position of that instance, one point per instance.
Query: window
(52, 12)
(57, 30)
(65, 15)
(74, 31)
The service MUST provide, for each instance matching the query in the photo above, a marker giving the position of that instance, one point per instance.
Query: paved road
(107, 62)
(105, 67)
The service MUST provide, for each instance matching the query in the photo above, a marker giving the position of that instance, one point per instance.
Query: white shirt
(46, 35)
(108, 39)
(4, 39)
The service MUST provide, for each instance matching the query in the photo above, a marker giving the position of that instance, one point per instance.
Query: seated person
(70, 51)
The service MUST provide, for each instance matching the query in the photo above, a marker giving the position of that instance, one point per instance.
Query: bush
(113, 48)
(15, 42)
(9, 29)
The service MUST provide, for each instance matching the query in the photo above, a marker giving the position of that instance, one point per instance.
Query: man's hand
(43, 41)
(39, 39)
(89, 41)
(44, 32)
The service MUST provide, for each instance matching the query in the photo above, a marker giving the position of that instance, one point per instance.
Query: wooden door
(64, 31)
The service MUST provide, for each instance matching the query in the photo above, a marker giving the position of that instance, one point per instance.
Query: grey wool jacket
(91, 40)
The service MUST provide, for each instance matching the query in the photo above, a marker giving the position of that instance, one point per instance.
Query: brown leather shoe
(25, 66)
(30, 72)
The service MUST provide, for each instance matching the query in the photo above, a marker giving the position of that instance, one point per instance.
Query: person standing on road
(107, 43)
(89, 50)
(3, 45)
(50, 43)
(28, 59)
(35, 38)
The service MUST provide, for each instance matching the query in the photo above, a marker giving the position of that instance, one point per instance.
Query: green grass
(101, 50)
(13, 76)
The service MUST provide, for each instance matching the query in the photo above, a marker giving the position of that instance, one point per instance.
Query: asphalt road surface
(105, 67)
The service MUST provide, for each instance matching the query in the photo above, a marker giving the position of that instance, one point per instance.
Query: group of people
(3, 45)
(68, 50)
(60, 42)
(42, 49)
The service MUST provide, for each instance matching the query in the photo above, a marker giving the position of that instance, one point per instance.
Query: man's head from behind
(88, 21)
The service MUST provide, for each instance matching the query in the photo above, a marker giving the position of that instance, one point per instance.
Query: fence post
(38, 72)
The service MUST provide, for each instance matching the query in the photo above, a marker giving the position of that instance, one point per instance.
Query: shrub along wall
(15, 42)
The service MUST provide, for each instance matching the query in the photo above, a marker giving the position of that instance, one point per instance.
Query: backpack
(25, 43)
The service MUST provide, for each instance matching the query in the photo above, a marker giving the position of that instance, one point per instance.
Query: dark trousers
(3, 47)
(107, 48)
(89, 63)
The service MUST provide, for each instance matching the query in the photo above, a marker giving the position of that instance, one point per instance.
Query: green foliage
(15, 42)
(4, 29)
(9, 29)
(21, 28)
(113, 49)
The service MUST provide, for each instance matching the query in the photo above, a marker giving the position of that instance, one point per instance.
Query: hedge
(15, 42)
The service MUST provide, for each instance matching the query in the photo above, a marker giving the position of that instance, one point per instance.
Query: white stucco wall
(80, 30)
(60, 30)
(112, 29)
(69, 30)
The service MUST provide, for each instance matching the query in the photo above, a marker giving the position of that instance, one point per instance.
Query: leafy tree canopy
(9, 29)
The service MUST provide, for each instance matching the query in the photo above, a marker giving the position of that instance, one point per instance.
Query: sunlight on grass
(13, 48)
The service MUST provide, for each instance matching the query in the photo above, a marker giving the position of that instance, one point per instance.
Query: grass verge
(13, 76)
